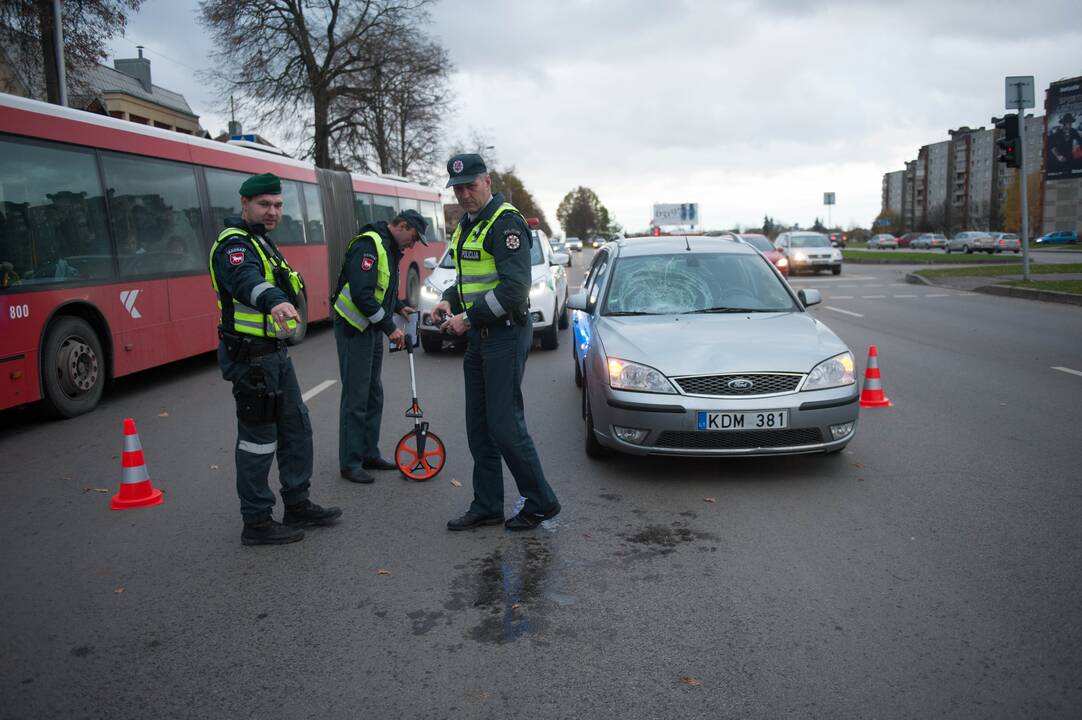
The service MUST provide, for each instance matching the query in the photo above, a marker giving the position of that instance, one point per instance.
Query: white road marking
(938, 295)
(873, 285)
(841, 297)
(899, 285)
(904, 296)
(872, 297)
(317, 390)
(844, 312)
(1068, 370)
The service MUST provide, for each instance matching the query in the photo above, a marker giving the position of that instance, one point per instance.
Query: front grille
(762, 384)
(738, 440)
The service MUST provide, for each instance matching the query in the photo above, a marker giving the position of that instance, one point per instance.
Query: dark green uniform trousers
(360, 411)
(289, 437)
(496, 420)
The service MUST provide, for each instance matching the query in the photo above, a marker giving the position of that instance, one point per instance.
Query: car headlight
(624, 375)
(835, 372)
(835, 254)
(799, 256)
(782, 262)
(430, 292)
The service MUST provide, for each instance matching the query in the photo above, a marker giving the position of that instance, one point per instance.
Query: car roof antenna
(687, 244)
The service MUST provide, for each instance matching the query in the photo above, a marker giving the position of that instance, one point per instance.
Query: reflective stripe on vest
(476, 275)
(247, 319)
(344, 305)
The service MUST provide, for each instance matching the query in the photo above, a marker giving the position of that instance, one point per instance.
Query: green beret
(265, 184)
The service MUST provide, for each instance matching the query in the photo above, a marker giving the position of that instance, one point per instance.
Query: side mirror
(578, 301)
(809, 296)
(559, 258)
(430, 263)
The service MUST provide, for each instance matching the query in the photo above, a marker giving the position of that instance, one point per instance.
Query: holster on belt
(255, 402)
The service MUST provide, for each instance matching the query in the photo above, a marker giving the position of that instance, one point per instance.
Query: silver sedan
(698, 346)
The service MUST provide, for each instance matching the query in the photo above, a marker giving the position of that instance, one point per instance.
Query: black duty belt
(483, 331)
(241, 347)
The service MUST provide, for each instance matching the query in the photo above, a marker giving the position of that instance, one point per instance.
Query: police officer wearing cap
(489, 304)
(364, 304)
(257, 296)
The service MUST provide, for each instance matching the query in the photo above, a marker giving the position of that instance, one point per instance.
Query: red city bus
(105, 233)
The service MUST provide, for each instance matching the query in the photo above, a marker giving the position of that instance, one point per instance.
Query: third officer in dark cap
(489, 304)
(364, 302)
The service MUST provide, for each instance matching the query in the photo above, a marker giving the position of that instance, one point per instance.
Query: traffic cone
(872, 394)
(135, 488)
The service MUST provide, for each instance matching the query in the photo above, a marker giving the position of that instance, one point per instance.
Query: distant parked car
(1059, 237)
(929, 241)
(884, 241)
(970, 241)
(1007, 242)
(904, 240)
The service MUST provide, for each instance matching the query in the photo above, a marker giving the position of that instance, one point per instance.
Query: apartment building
(893, 182)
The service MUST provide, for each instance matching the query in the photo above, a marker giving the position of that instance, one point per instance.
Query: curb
(915, 279)
(1054, 296)
(870, 261)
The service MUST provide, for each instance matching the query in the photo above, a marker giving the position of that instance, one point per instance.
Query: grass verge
(1037, 268)
(919, 256)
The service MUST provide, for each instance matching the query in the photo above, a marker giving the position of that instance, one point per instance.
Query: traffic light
(1008, 144)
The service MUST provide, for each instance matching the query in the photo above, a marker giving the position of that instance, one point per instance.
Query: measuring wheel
(420, 463)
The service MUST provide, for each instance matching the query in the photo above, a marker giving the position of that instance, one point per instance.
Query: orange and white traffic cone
(135, 488)
(872, 393)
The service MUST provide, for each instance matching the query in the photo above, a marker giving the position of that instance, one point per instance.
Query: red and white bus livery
(105, 232)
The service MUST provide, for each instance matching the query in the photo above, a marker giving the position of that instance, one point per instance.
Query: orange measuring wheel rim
(416, 466)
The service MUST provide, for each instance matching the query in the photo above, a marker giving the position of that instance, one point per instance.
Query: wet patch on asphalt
(654, 540)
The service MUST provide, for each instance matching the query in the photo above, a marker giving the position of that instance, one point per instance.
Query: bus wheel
(72, 367)
(413, 288)
(302, 325)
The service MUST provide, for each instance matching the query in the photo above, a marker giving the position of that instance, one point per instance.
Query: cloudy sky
(747, 108)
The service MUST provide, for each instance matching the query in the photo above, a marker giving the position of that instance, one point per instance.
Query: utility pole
(1019, 95)
(58, 44)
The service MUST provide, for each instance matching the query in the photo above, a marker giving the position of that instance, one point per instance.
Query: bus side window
(384, 208)
(223, 188)
(52, 216)
(314, 225)
(290, 230)
(157, 220)
(362, 206)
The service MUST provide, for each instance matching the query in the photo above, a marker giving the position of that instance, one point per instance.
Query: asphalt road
(930, 570)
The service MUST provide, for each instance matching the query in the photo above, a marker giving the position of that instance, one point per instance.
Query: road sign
(828, 198)
(1019, 92)
(883, 221)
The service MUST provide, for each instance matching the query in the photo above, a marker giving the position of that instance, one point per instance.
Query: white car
(548, 294)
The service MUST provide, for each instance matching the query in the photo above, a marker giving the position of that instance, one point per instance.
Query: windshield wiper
(728, 310)
(625, 313)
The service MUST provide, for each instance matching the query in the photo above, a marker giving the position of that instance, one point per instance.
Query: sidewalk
(995, 285)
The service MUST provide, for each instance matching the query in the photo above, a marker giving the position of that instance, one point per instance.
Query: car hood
(441, 278)
(538, 272)
(700, 344)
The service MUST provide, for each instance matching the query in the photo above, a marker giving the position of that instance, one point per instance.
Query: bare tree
(87, 25)
(285, 59)
(389, 115)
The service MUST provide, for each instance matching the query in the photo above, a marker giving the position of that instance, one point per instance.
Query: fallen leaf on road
(119, 590)
(381, 571)
(687, 680)
(163, 414)
(710, 499)
(213, 467)
(857, 465)
(516, 606)
(456, 483)
(860, 479)
(101, 490)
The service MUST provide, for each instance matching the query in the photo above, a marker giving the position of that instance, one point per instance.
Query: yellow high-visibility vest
(476, 266)
(343, 303)
(247, 319)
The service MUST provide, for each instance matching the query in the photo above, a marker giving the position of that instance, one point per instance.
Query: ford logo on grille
(740, 384)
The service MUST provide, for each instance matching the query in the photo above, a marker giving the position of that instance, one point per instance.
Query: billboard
(1063, 153)
(675, 214)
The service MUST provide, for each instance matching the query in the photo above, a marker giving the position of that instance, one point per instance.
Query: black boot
(308, 513)
(269, 532)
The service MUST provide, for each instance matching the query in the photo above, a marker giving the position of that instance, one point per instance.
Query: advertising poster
(1064, 141)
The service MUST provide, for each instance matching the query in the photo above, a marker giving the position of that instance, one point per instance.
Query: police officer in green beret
(489, 304)
(257, 296)
(364, 304)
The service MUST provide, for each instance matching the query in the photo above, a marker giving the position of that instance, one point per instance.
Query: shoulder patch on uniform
(236, 255)
(367, 262)
(512, 240)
